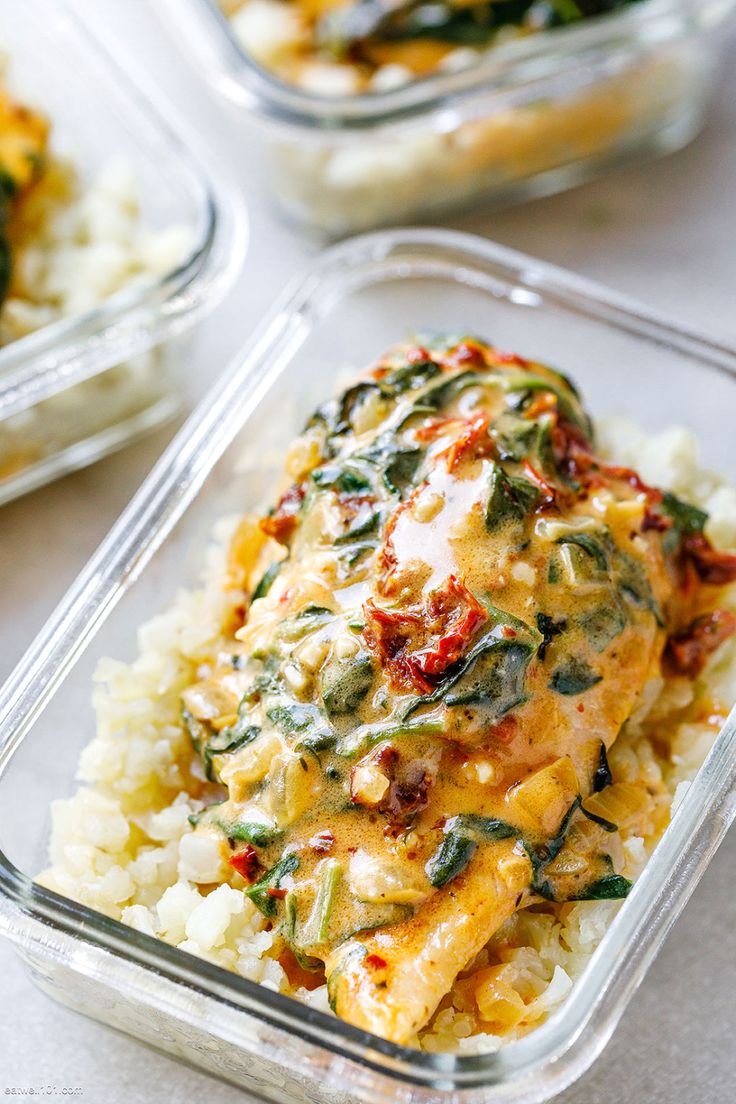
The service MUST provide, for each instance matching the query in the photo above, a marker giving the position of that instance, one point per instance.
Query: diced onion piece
(498, 1001)
(543, 799)
(368, 784)
(381, 881)
(251, 764)
(245, 548)
(622, 804)
(294, 783)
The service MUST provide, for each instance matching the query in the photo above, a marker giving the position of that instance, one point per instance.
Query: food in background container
(429, 715)
(400, 109)
(23, 137)
(68, 244)
(354, 46)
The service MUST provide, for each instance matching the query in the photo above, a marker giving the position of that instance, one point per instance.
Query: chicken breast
(449, 615)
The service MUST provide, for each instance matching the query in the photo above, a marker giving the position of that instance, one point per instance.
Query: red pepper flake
(688, 651)
(246, 863)
(581, 707)
(283, 521)
(712, 567)
(508, 632)
(376, 962)
(276, 891)
(322, 842)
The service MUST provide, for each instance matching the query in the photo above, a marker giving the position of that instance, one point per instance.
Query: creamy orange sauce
(411, 725)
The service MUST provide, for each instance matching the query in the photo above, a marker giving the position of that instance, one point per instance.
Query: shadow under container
(86, 384)
(360, 298)
(532, 117)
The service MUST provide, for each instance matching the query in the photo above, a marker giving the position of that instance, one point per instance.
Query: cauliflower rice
(123, 844)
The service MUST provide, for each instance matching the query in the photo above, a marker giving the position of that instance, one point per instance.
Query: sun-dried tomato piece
(688, 651)
(300, 977)
(418, 354)
(509, 358)
(386, 758)
(433, 427)
(388, 634)
(282, 522)
(574, 454)
(419, 644)
(408, 793)
(628, 475)
(544, 402)
(654, 521)
(548, 491)
(467, 354)
(713, 567)
(406, 790)
(387, 559)
(246, 863)
(471, 441)
(460, 614)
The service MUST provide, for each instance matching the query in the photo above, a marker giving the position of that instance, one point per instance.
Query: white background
(665, 232)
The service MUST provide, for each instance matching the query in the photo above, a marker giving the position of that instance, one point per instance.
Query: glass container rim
(566, 1043)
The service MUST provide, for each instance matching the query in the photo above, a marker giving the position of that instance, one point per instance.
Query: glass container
(359, 298)
(85, 384)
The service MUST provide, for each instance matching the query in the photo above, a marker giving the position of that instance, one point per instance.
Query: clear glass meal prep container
(533, 117)
(84, 385)
(357, 300)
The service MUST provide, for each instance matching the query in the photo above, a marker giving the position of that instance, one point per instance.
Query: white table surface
(665, 232)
